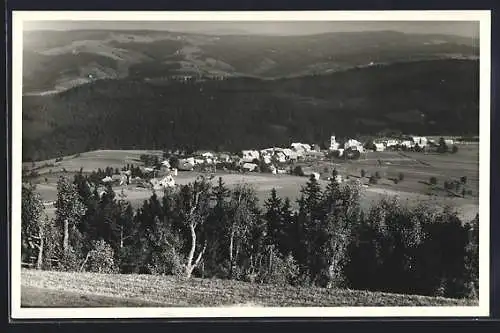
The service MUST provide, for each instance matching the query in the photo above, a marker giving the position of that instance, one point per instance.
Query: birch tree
(69, 210)
(33, 222)
(195, 207)
(243, 217)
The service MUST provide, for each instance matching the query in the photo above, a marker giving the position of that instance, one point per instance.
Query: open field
(61, 289)
(416, 167)
(90, 161)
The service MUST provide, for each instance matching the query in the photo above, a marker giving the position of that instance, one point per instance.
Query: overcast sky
(461, 28)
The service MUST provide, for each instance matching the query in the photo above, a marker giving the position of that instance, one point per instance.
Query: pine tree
(289, 235)
(274, 219)
(215, 230)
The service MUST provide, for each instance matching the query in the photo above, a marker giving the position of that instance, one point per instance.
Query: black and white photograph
(246, 164)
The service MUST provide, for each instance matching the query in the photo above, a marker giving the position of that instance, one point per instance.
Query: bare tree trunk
(66, 236)
(231, 259)
(121, 237)
(85, 261)
(189, 264)
(39, 261)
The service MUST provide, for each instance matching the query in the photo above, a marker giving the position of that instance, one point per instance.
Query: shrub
(101, 258)
(377, 175)
(373, 180)
(433, 180)
(454, 149)
(70, 262)
(363, 173)
(280, 271)
(167, 262)
(401, 176)
(298, 171)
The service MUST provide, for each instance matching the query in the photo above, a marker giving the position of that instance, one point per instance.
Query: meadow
(65, 289)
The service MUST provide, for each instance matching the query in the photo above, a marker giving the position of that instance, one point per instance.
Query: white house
(280, 156)
(448, 142)
(250, 155)
(290, 154)
(354, 145)
(420, 141)
(408, 143)
(379, 146)
(249, 166)
(391, 143)
(107, 179)
(224, 157)
(207, 155)
(186, 164)
(301, 147)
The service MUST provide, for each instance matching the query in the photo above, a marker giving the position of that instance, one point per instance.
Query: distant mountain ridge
(54, 61)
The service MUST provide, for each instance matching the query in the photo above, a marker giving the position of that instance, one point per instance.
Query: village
(160, 171)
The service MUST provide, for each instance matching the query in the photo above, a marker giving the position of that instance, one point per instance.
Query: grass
(63, 289)
(32, 297)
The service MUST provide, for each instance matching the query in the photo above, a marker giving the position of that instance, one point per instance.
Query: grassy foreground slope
(62, 289)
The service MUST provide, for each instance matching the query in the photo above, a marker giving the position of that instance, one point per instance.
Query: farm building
(107, 179)
(249, 166)
(379, 146)
(290, 154)
(408, 143)
(186, 164)
(224, 158)
(391, 143)
(301, 147)
(250, 155)
(420, 141)
(354, 144)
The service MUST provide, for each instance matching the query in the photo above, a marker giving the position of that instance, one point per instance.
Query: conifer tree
(274, 218)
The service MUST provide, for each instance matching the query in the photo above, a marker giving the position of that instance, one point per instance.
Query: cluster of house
(382, 144)
(275, 158)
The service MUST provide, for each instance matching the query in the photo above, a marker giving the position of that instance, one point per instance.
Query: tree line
(242, 113)
(211, 231)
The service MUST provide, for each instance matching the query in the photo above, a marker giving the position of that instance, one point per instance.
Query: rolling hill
(431, 97)
(55, 61)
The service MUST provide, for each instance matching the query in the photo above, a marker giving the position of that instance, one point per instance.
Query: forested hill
(426, 97)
